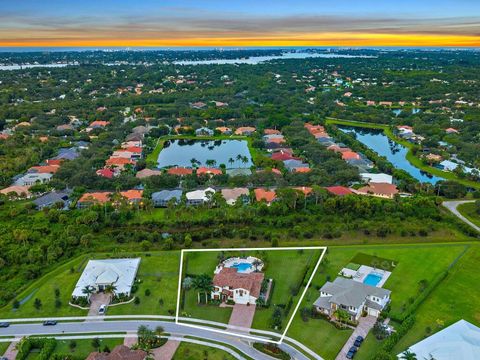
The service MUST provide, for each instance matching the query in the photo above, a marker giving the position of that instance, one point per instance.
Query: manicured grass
(414, 160)
(84, 346)
(159, 274)
(469, 211)
(414, 263)
(286, 268)
(206, 312)
(457, 297)
(3, 347)
(189, 351)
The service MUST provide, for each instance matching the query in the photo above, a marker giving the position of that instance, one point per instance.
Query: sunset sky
(50, 23)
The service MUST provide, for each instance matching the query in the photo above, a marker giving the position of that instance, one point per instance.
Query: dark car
(4, 324)
(350, 355)
(50, 323)
(358, 341)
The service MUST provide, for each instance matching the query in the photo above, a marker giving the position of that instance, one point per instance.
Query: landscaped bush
(272, 350)
(46, 346)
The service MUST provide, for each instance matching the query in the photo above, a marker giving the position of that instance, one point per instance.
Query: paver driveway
(365, 324)
(242, 315)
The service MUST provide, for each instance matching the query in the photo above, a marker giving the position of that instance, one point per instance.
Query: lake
(180, 152)
(30, 66)
(253, 60)
(393, 151)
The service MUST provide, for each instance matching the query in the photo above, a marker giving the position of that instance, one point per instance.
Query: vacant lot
(189, 351)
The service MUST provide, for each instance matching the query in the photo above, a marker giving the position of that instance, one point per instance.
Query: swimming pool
(242, 267)
(372, 279)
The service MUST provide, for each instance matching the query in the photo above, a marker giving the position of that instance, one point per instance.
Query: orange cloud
(303, 39)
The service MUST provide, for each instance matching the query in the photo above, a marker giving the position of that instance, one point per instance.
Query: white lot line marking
(226, 332)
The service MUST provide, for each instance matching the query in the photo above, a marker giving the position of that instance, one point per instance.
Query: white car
(102, 310)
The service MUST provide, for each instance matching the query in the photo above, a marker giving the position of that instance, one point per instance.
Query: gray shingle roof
(166, 195)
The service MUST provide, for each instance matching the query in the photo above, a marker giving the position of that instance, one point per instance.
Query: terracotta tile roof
(350, 155)
(95, 197)
(223, 129)
(17, 189)
(118, 161)
(302, 170)
(267, 195)
(180, 171)
(282, 156)
(134, 149)
(339, 190)
(45, 169)
(99, 123)
(382, 189)
(231, 278)
(271, 132)
(304, 189)
(132, 194)
(244, 129)
(106, 173)
(208, 171)
(147, 173)
(57, 162)
(276, 140)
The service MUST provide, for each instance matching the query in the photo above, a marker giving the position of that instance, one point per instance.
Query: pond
(232, 153)
(393, 151)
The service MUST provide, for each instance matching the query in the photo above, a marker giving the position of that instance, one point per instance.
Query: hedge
(272, 350)
(47, 346)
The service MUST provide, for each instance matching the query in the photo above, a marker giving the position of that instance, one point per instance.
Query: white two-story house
(353, 297)
(242, 288)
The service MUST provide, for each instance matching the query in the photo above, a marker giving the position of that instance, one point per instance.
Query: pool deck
(360, 274)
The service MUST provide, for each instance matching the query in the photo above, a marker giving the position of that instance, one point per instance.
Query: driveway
(242, 316)
(452, 206)
(96, 300)
(166, 351)
(364, 326)
(11, 352)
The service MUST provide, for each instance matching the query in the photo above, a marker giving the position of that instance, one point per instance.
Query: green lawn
(414, 263)
(158, 273)
(470, 212)
(189, 351)
(3, 347)
(84, 346)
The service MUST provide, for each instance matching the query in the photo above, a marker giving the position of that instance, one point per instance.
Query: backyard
(414, 263)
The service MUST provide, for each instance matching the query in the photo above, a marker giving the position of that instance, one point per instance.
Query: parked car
(102, 310)
(50, 323)
(351, 353)
(3, 358)
(358, 341)
(4, 324)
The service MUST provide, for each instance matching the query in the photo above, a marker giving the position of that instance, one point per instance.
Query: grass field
(3, 347)
(84, 346)
(469, 211)
(158, 273)
(189, 351)
(414, 160)
(414, 263)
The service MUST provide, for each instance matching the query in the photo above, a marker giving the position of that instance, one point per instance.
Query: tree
(256, 263)
(408, 355)
(110, 289)
(203, 284)
(96, 343)
(72, 345)
(88, 290)
(231, 161)
(342, 315)
(37, 303)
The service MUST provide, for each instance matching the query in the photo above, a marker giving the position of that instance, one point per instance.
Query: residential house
(199, 197)
(119, 163)
(239, 172)
(147, 173)
(97, 124)
(67, 154)
(265, 195)
(350, 155)
(459, 341)
(208, 171)
(451, 131)
(106, 173)
(31, 179)
(232, 195)
(53, 198)
(271, 132)
(92, 198)
(377, 178)
(353, 297)
(383, 190)
(198, 105)
(132, 196)
(292, 164)
(100, 274)
(224, 130)
(179, 171)
(204, 131)
(16, 191)
(339, 190)
(162, 198)
(241, 288)
(245, 130)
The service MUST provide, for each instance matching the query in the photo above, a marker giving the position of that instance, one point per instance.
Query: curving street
(453, 205)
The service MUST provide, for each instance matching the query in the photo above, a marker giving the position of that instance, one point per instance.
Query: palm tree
(239, 157)
(193, 161)
(203, 284)
(110, 289)
(244, 160)
(159, 330)
(231, 161)
(256, 263)
(408, 355)
(88, 290)
(209, 163)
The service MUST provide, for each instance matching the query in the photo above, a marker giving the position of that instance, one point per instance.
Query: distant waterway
(396, 153)
(30, 66)
(253, 60)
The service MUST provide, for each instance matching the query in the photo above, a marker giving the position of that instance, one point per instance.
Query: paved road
(452, 206)
(243, 345)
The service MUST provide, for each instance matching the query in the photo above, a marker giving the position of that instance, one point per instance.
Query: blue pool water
(242, 267)
(372, 279)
